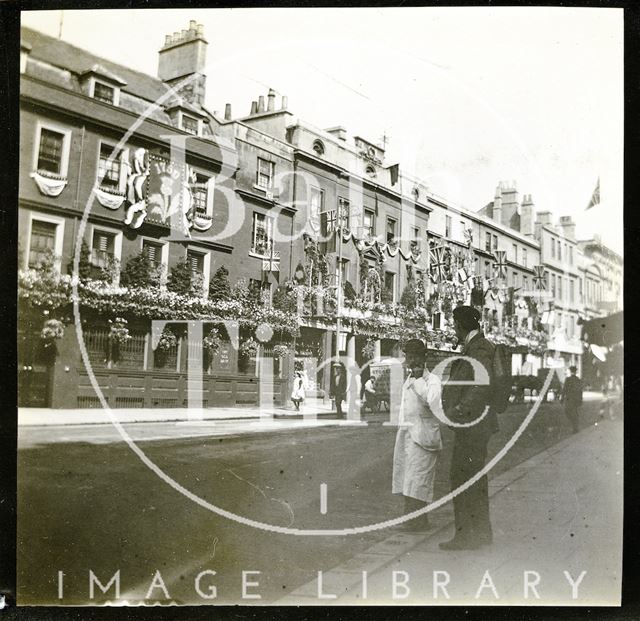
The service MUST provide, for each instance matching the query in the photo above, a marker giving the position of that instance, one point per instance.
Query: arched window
(318, 147)
(371, 171)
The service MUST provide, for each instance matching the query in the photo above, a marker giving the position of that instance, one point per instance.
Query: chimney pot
(271, 100)
(261, 103)
(254, 107)
(200, 30)
(227, 112)
(285, 102)
(192, 24)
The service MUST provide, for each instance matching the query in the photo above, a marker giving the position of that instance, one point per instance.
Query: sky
(466, 97)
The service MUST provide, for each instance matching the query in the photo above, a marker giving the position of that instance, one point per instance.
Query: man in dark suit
(338, 385)
(463, 405)
(572, 398)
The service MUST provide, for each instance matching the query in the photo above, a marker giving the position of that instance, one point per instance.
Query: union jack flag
(538, 277)
(438, 264)
(501, 263)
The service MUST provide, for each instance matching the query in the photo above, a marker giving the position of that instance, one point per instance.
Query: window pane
(265, 173)
(189, 124)
(50, 153)
(102, 92)
(109, 171)
(261, 234)
(43, 238)
(153, 252)
(103, 248)
(343, 207)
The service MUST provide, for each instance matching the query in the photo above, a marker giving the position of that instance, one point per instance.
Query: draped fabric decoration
(500, 265)
(390, 250)
(138, 173)
(538, 277)
(108, 200)
(438, 264)
(47, 185)
(468, 237)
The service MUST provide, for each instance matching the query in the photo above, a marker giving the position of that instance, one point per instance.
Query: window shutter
(103, 243)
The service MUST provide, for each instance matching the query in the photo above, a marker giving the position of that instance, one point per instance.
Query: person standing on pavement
(464, 404)
(298, 393)
(338, 385)
(572, 398)
(418, 441)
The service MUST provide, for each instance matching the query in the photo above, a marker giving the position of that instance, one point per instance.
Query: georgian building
(141, 167)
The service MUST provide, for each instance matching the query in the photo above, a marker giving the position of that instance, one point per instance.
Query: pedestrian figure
(298, 393)
(572, 398)
(338, 385)
(370, 395)
(464, 404)
(418, 441)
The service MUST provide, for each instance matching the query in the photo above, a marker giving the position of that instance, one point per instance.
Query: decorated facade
(290, 243)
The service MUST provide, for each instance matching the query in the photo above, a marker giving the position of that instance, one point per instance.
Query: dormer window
(190, 124)
(104, 92)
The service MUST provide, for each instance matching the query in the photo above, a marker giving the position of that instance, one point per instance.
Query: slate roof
(76, 60)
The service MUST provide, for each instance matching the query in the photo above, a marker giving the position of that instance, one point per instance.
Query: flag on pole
(539, 277)
(595, 197)
(438, 264)
(500, 265)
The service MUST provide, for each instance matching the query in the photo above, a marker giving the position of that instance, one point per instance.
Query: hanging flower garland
(212, 342)
(248, 348)
(168, 340)
(52, 330)
(281, 350)
(118, 331)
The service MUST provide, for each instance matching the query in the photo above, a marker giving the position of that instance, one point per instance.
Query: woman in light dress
(418, 441)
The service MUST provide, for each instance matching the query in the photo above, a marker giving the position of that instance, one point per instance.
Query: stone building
(139, 169)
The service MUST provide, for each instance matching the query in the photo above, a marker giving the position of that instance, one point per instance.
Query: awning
(604, 331)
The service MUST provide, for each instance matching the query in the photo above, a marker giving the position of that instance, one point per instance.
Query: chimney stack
(271, 100)
(568, 227)
(254, 107)
(339, 132)
(527, 213)
(227, 112)
(261, 103)
(285, 102)
(496, 214)
(510, 203)
(184, 55)
(544, 218)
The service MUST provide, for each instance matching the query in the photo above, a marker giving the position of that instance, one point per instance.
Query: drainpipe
(295, 176)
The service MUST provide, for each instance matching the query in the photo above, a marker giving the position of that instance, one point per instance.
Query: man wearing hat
(338, 385)
(572, 398)
(465, 404)
(418, 441)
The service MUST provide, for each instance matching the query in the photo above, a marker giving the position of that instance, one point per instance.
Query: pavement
(555, 515)
(97, 416)
(314, 407)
